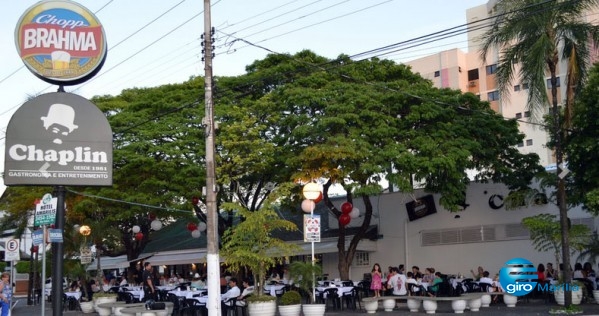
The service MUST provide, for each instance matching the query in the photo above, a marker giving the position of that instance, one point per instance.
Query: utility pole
(212, 258)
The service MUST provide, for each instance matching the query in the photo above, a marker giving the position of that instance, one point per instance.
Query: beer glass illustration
(60, 60)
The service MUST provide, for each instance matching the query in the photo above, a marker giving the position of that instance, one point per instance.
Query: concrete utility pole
(212, 258)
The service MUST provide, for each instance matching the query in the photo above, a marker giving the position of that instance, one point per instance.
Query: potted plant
(251, 244)
(290, 304)
(303, 275)
(101, 298)
(576, 288)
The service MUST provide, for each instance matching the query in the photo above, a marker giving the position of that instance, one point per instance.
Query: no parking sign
(12, 250)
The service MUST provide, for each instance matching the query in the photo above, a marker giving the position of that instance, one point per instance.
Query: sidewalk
(533, 307)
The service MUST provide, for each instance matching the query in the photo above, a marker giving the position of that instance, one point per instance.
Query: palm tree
(532, 39)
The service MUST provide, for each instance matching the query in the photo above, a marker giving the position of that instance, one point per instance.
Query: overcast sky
(155, 42)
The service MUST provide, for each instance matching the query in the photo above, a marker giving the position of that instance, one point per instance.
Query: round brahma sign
(61, 42)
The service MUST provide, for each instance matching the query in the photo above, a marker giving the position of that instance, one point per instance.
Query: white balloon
(355, 213)
(308, 205)
(196, 234)
(202, 226)
(135, 229)
(156, 224)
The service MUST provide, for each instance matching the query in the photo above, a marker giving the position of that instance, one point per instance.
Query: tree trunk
(561, 185)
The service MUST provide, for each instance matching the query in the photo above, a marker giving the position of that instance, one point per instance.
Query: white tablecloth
(76, 295)
(187, 294)
(340, 290)
(273, 288)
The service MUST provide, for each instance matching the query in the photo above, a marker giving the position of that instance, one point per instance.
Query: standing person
(148, 282)
(377, 280)
(5, 293)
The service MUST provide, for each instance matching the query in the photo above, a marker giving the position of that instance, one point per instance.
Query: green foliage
(303, 274)
(291, 298)
(251, 243)
(260, 298)
(589, 250)
(545, 234)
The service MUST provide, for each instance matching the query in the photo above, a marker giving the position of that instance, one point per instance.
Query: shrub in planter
(290, 298)
(260, 298)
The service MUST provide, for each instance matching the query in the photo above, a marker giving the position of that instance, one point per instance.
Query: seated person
(433, 289)
(197, 282)
(486, 279)
(123, 281)
(247, 290)
(232, 293)
(396, 283)
(74, 287)
(414, 289)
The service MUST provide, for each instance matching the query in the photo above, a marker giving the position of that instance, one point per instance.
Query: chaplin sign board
(61, 42)
(58, 139)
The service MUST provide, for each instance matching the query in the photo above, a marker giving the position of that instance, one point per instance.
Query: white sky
(168, 50)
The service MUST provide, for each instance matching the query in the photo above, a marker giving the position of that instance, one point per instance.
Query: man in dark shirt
(148, 281)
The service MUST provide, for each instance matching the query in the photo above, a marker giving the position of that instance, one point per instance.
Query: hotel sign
(61, 42)
(58, 139)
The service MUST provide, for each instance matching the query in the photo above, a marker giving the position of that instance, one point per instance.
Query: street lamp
(312, 191)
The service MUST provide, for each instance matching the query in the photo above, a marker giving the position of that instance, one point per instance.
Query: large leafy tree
(532, 38)
(351, 122)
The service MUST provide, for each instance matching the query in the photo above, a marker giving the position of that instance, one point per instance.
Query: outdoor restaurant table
(137, 291)
(76, 295)
(340, 290)
(273, 288)
(188, 294)
(166, 287)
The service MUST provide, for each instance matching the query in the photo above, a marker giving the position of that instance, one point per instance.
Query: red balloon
(344, 219)
(318, 199)
(152, 216)
(346, 208)
(139, 236)
(192, 226)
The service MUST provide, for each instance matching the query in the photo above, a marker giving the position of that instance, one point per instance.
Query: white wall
(391, 216)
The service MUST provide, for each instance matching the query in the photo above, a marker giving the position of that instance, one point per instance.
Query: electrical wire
(126, 202)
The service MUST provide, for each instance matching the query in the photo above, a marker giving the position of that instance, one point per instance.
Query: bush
(260, 298)
(291, 298)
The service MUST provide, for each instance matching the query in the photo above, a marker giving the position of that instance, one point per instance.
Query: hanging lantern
(135, 229)
(191, 226)
(85, 230)
(156, 224)
(344, 219)
(346, 208)
(196, 233)
(139, 236)
(319, 198)
(202, 226)
(355, 213)
(312, 190)
(308, 206)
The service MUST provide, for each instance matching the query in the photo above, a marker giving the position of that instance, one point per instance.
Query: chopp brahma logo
(518, 276)
(61, 42)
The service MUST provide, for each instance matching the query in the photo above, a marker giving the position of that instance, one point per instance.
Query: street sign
(12, 250)
(86, 255)
(311, 228)
(55, 235)
(45, 211)
(37, 237)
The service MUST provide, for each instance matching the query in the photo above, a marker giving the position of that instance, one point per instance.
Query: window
(529, 142)
(527, 114)
(525, 86)
(362, 258)
(473, 74)
(521, 144)
(437, 73)
(549, 83)
(518, 115)
(517, 87)
(491, 69)
(493, 95)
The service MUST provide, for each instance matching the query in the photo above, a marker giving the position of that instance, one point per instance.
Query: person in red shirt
(541, 272)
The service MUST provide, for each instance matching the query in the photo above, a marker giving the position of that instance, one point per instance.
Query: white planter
(389, 304)
(458, 306)
(262, 308)
(430, 307)
(87, 307)
(576, 296)
(510, 300)
(485, 300)
(413, 305)
(103, 311)
(290, 310)
(475, 304)
(313, 309)
(369, 306)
